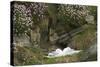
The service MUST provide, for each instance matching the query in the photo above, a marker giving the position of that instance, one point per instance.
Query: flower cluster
(26, 14)
(22, 19)
(38, 9)
(75, 12)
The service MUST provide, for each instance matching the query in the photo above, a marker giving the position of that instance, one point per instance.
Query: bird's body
(56, 52)
(66, 51)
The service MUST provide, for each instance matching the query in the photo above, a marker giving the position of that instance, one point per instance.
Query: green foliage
(73, 14)
(93, 12)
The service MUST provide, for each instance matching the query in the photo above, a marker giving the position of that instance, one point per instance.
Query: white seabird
(59, 52)
(56, 52)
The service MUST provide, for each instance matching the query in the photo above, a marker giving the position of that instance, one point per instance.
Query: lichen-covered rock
(35, 36)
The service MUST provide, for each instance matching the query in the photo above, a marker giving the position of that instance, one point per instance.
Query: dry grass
(83, 40)
(29, 56)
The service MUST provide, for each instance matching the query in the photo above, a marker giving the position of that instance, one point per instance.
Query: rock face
(21, 41)
(93, 49)
(35, 36)
(90, 54)
(90, 19)
(25, 40)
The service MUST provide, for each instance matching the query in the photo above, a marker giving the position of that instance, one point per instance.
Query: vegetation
(37, 25)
